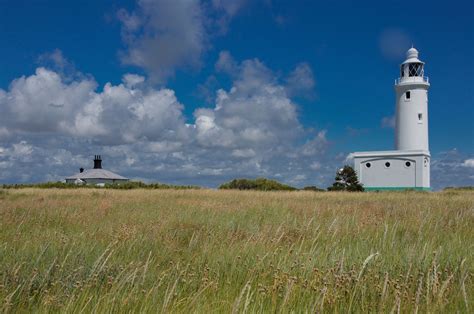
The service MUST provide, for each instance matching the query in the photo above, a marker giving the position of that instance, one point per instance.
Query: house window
(407, 95)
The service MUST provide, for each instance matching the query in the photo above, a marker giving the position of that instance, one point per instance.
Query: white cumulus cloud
(301, 81)
(468, 163)
(256, 112)
(164, 35)
(43, 102)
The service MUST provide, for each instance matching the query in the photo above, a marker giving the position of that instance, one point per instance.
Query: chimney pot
(97, 162)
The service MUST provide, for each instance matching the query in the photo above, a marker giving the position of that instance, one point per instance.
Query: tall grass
(233, 251)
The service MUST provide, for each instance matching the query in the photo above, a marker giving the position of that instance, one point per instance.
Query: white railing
(409, 79)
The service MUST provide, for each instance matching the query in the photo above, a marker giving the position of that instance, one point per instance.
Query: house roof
(96, 174)
(391, 153)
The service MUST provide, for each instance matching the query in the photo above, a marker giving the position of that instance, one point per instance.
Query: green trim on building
(397, 188)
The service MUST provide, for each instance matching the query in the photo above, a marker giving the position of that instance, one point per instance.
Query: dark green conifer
(346, 180)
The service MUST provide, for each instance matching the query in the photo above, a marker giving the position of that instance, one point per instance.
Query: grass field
(232, 251)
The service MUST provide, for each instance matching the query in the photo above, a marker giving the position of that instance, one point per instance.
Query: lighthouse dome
(412, 56)
(412, 53)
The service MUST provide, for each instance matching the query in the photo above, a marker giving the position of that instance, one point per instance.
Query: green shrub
(259, 184)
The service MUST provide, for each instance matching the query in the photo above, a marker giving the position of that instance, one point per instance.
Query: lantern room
(412, 67)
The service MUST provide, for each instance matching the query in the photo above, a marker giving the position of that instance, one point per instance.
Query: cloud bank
(252, 129)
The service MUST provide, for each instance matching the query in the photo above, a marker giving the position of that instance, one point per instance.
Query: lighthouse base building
(407, 167)
(393, 170)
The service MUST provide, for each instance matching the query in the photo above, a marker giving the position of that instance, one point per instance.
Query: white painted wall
(398, 175)
(411, 132)
(395, 175)
(99, 181)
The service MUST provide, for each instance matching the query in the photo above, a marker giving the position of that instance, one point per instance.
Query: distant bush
(313, 188)
(459, 188)
(121, 186)
(259, 184)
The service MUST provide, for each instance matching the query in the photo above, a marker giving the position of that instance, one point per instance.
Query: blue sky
(198, 92)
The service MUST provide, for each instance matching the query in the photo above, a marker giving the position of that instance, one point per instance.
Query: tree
(346, 180)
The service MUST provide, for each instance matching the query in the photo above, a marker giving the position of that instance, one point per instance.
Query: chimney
(97, 162)
(81, 170)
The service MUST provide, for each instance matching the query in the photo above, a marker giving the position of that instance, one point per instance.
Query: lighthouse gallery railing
(399, 80)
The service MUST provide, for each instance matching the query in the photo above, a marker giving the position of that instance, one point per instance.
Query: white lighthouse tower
(411, 131)
(408, 166)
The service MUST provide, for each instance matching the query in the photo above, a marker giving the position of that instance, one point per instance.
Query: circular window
(426, 162)
(368, 165)
(408, 164)
(387, 164)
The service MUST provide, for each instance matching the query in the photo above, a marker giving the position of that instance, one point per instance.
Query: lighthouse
(411, 131)
(408, 166)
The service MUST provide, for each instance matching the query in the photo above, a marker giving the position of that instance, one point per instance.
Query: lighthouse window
(415, 69)
(407, 95)
(420, 117)
(368, 165)
(408, 164)
(387, 164)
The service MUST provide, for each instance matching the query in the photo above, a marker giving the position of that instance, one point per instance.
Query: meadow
(92, 250)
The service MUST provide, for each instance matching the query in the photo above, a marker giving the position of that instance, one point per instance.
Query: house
(96, 176)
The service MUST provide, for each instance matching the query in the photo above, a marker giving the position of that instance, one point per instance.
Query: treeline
(259, 184)
(459, 188)
(346, 180)
(121, 186)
